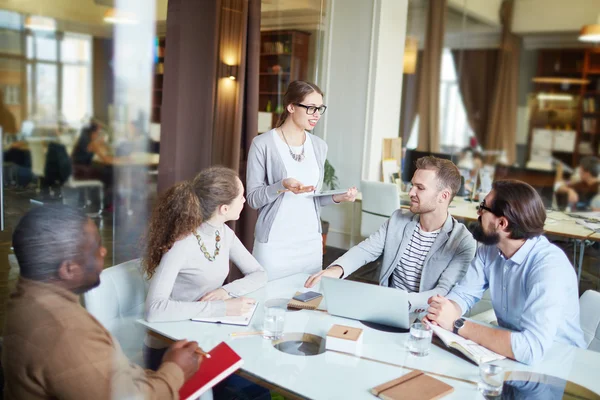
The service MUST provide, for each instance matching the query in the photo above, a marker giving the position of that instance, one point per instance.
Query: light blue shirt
(534, 294)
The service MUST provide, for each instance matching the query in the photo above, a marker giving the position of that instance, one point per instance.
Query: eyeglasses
(482, 206)
(311, 110)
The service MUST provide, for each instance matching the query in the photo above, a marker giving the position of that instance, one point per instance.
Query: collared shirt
(54, 349)
(534, 293)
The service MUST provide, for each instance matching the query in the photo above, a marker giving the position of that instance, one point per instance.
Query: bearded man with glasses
(532, 284)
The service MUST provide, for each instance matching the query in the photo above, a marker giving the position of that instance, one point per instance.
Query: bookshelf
(283, 59)
(570, 81)
(158, 79)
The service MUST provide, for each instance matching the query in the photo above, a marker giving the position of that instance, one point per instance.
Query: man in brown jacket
(53, 348)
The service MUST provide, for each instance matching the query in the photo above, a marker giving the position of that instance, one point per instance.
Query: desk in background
(339, 376)
(557, 223)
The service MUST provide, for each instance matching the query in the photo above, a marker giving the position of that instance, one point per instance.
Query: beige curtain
(477, 81)
(502, 125)
(410, 100)
(429, 82)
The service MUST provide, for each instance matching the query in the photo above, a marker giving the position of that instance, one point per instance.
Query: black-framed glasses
(311, 110)
(482, 206)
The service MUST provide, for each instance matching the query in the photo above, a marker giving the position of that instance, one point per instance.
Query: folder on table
(305, 305)
(413, 386)
(223, 362)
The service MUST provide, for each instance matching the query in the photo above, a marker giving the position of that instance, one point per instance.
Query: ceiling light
(38, 23)
(590, 33)
(555, 96)
(116, 16)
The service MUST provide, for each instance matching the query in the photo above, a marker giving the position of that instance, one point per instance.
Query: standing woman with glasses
(285, 168)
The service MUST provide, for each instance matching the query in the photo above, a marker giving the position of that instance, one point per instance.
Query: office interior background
(176, 86)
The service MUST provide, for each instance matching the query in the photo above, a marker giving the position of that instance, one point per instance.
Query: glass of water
(274, 318)
(419, 341)
(491, 378)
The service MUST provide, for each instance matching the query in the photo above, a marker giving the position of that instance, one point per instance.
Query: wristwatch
(459, 323)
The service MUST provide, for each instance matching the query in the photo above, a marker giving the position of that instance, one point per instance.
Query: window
(455, 130)
(59, 73)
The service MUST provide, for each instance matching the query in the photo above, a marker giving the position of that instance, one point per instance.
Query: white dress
(295, 244)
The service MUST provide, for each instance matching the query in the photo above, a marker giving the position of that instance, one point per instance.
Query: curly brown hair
(182, 209)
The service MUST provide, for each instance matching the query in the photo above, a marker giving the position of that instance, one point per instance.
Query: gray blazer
(264, 176)
(445, 264)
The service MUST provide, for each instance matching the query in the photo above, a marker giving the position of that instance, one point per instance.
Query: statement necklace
(203, 247)
(296, 157)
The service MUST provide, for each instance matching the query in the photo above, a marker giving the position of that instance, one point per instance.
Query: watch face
(459, 323)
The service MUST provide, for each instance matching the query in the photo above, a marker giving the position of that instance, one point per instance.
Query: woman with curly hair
(188, 252)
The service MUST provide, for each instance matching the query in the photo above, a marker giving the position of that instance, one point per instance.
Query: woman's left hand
(350, 195)
(217, 294)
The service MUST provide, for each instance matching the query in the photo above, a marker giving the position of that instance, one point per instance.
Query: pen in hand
(202, 353)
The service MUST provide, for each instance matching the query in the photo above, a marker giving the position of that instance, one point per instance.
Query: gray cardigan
(445, 264)
(265, 173)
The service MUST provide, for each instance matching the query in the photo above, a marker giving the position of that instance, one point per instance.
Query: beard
(483, 237)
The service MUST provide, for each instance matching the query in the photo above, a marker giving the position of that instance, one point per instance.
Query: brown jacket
(54, 349)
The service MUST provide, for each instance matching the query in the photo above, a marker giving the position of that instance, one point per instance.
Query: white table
(338, 376)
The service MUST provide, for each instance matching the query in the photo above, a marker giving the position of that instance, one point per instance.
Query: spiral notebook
(305, 305)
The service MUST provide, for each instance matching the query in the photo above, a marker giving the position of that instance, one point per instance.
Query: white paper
(564, 141)
(542, 139)
(242, 320)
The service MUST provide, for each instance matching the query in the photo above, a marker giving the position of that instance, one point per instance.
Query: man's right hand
(334, 271)
(183, 353)
(238, 306)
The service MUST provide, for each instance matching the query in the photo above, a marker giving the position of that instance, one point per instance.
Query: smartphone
(308, 296)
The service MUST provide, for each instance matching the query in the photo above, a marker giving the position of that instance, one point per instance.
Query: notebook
(473, 351)
(413, 386)
(223, 362)
(242, 320)
(305, 305)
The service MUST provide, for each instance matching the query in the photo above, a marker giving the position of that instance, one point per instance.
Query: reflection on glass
(76, 92)
(45, 92)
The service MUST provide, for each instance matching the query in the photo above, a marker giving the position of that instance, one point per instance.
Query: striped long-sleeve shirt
(407, 274)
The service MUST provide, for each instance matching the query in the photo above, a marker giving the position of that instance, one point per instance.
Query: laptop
(366, 302)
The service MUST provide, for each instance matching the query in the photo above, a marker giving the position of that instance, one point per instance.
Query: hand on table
(349, 196)
(238, 306)
(296, 187)
(217, 294)
(334, 271)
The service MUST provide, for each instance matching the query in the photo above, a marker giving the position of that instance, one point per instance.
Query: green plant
(329, 178)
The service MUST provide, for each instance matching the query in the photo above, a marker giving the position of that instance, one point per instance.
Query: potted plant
(330, 180)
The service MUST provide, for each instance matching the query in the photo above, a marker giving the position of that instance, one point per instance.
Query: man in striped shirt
(425, 251)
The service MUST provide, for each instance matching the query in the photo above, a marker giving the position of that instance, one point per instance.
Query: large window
(59, 76)
(455, 130)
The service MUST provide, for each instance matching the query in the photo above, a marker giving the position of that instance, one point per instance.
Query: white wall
(362, 72)
(345, 82)
(536, 16)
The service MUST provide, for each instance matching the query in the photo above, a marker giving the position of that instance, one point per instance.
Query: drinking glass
(274, 319)
(491, 378)
(419, 341)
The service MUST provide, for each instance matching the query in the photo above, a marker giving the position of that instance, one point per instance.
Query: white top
(297, 210)
(184, 275)
(407, 274)
(338, 376)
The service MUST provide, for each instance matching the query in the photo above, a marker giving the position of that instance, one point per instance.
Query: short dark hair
(447, 173)
(47, 236)
(521, 205)
(590, 164)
